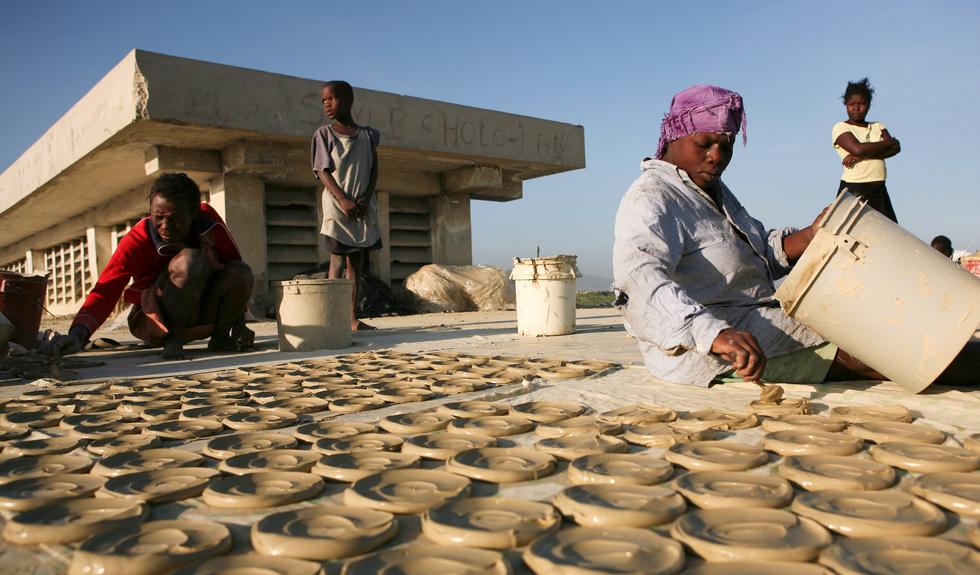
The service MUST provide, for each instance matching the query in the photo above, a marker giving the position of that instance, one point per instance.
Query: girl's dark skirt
(875, 193)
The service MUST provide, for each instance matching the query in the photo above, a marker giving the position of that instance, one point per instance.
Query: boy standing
(345, 160)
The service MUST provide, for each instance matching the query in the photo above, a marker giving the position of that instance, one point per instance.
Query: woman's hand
(849, 160)
(740, 349)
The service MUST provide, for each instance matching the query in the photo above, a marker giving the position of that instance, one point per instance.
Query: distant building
(243, 135)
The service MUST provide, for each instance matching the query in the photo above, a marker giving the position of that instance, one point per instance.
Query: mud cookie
(619, 469)
(489, 522)
(501, 464)
(324, 532)
(871, 513)
(595, 550)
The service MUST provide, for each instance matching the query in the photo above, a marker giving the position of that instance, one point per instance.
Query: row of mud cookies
(616, 497)
(55, 491)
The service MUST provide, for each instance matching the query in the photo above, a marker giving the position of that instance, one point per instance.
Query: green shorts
(807, 365)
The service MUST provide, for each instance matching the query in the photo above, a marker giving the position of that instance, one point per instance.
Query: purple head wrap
(702, 108)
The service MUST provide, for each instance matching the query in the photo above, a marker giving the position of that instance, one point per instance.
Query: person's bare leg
(355, 266)
(965, 369)
(848, 368)
(336, 265)
(180, 294)
(224, 306)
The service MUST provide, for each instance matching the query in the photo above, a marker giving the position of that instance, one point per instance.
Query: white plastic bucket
(313, 314)
(545, 289)
(882, 295)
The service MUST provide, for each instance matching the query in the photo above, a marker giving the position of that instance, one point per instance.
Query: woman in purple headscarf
(695, 271)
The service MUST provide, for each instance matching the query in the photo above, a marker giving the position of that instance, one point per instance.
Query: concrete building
(244, 135)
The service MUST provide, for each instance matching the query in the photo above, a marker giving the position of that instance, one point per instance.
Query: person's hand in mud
(62, 345)
(740, 349)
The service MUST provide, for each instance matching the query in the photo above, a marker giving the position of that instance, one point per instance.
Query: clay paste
(312, 432)
(804, 442)
(184, 428)
(820, 472)
(900, 555)
(41, 466)
(252, 563)
(415, 423)
(595, 550)
(323, 533)
(972, 442)
(442, 445)
(501, 464)
(406, 490)
(423, 559)
(271, 460)
(663, 435)
(925, 458)
(32, 417)
(803, 422)
(758, 568)
(581, 425)
(113, 445)
(871, 513)
(723, 489)
(489, 522)
(260, 419)
(73, 520)
(231, 445)
(716, 456)
(11, 433)
(46, 446)
(859, 414)
(958, 492)
(357, 443)
(32, 492)
(349, 467)
(619, 469)
(751, 535)
(492, 425)
(156, 547)
(640, 414)
(215, 412)
(356, 404)
(159, 485)
(790, 406)
(885, 431)
(620, 505)
(145, 460)
(300, 405)
(548, 411)
(259, 490)
(715, 419)
(574, 446)
(108, 430)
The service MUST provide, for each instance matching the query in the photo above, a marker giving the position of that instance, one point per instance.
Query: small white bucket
(545, 290)
(313, 314)
(882, 295)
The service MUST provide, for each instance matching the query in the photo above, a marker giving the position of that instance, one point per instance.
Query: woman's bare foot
(358, 325)
(222, 343)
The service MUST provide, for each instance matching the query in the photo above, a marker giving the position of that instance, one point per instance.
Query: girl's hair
(862, 87)
(341, 89)
(177, 188)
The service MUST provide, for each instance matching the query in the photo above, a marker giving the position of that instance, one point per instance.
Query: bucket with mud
(22, 301)
(313, 314)
(545, 290)
(883, 295)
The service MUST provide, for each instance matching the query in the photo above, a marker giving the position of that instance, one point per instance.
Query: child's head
(338, 98)
(943, 245)
(857, 99)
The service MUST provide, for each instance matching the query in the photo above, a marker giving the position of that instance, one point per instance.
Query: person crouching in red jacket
(188, 278)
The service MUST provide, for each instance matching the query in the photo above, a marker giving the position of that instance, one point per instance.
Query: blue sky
(609, 66)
